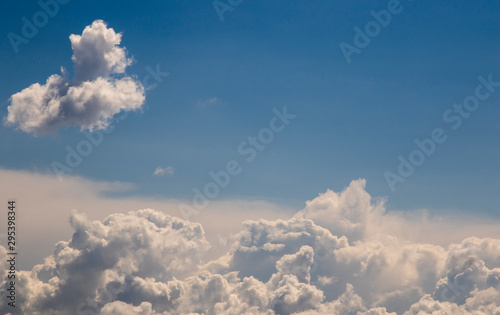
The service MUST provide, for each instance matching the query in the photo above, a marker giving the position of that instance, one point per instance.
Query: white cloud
(347, 303)
(211, 101)
(169, 170)
(99, 90)
(346, 213)
(149, 262)
(121, 308)
(41, 194)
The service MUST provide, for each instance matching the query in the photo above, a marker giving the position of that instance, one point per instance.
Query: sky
(353, 119)
(217, 112)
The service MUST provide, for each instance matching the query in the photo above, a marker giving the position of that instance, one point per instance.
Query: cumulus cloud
(169, 170)
(99, 89)
(148, 262)
(346, 213)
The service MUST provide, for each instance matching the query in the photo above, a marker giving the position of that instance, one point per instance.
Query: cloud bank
(100, 88)
(324, 260)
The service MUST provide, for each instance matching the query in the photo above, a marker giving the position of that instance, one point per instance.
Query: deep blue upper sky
(353, 119)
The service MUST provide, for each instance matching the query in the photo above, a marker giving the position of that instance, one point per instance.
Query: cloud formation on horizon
(326, 259)
(100, 88)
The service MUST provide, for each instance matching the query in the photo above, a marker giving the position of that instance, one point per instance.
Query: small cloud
(325, 281)
(211, 101)
(169, 170)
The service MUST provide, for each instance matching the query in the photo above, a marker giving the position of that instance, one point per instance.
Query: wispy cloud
(211, 101)
(169, 170)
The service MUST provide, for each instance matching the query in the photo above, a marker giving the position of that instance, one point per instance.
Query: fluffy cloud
(133, 256)
(346, 213)
(99, 90)
(148, 262)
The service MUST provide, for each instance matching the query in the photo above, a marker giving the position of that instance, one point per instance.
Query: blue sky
(353, 119)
